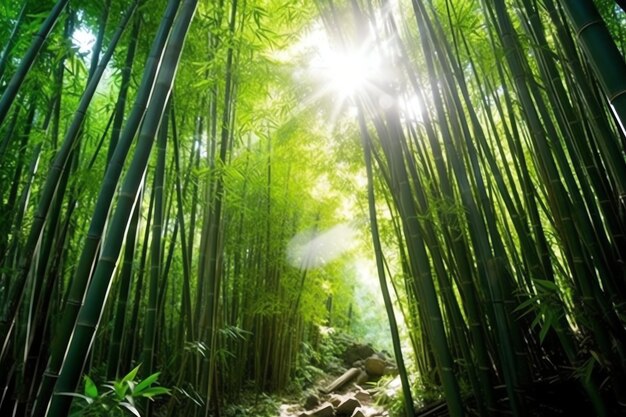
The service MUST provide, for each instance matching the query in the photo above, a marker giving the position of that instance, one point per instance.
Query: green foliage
(545, 306)
(333, 342)
(510, 171)
(322, 356)
(119, 397)
(387, 394)
(259, 405)
(307, 371)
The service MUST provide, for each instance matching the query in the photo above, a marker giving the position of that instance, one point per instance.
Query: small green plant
(387, 394)
(117, 398)
(546, 305)
(253, 405)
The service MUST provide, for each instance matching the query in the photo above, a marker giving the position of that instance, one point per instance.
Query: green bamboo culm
(603, 55)
(54, 188)
(123, 294)
(126, 74)
(99, 218)
(185, 252)
(10, 93)
(6, 50)
(409, 408)
(95, 298)
(209, 273)
(156, 274)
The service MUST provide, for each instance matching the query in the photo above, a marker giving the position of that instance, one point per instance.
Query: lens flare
(312, 249)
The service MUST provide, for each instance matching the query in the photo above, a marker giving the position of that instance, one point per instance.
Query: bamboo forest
(312, 208)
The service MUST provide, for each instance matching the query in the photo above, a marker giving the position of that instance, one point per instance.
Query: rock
(362, 395)
(375, 366)
(356, 352)
(358, 412)
(335, 400)
(311, 402)
(324, 410)
(361, 378)
(347, 406)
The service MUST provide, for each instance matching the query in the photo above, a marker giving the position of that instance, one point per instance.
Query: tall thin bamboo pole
(90, 313)
(10, 93)
(604, 56)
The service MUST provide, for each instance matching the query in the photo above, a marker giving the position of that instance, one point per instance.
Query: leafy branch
(117, 398)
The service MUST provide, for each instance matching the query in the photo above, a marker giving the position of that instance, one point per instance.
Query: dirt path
(350, 401)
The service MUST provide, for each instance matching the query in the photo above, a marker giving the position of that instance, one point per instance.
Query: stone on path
(335, 400)
(362, 395)
(325, 410)
(347, 406)
(375, 366)
(357, 413)
(311, 402)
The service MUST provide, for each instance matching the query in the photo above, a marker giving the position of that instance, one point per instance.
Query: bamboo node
(586, 25)
(616, 95)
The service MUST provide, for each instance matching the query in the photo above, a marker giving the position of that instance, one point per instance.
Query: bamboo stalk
(12, 88)
(90, 313)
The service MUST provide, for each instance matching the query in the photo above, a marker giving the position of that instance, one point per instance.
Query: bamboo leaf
(154, 391)
(546, 285)
(129, 377)
(131, 408)
(91, 390)
(142, 385)
(89, 400)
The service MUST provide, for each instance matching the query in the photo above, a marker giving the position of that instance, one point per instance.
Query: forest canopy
(201, 199)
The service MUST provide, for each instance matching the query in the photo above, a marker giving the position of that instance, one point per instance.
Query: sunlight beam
(350, 71)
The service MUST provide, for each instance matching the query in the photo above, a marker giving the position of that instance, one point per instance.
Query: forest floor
(357, 381)
(377, 398)
(316, 400)
(380, 397)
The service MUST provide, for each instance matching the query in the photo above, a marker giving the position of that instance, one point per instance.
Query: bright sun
(342, 72)
(84, 40)
(350, 71)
